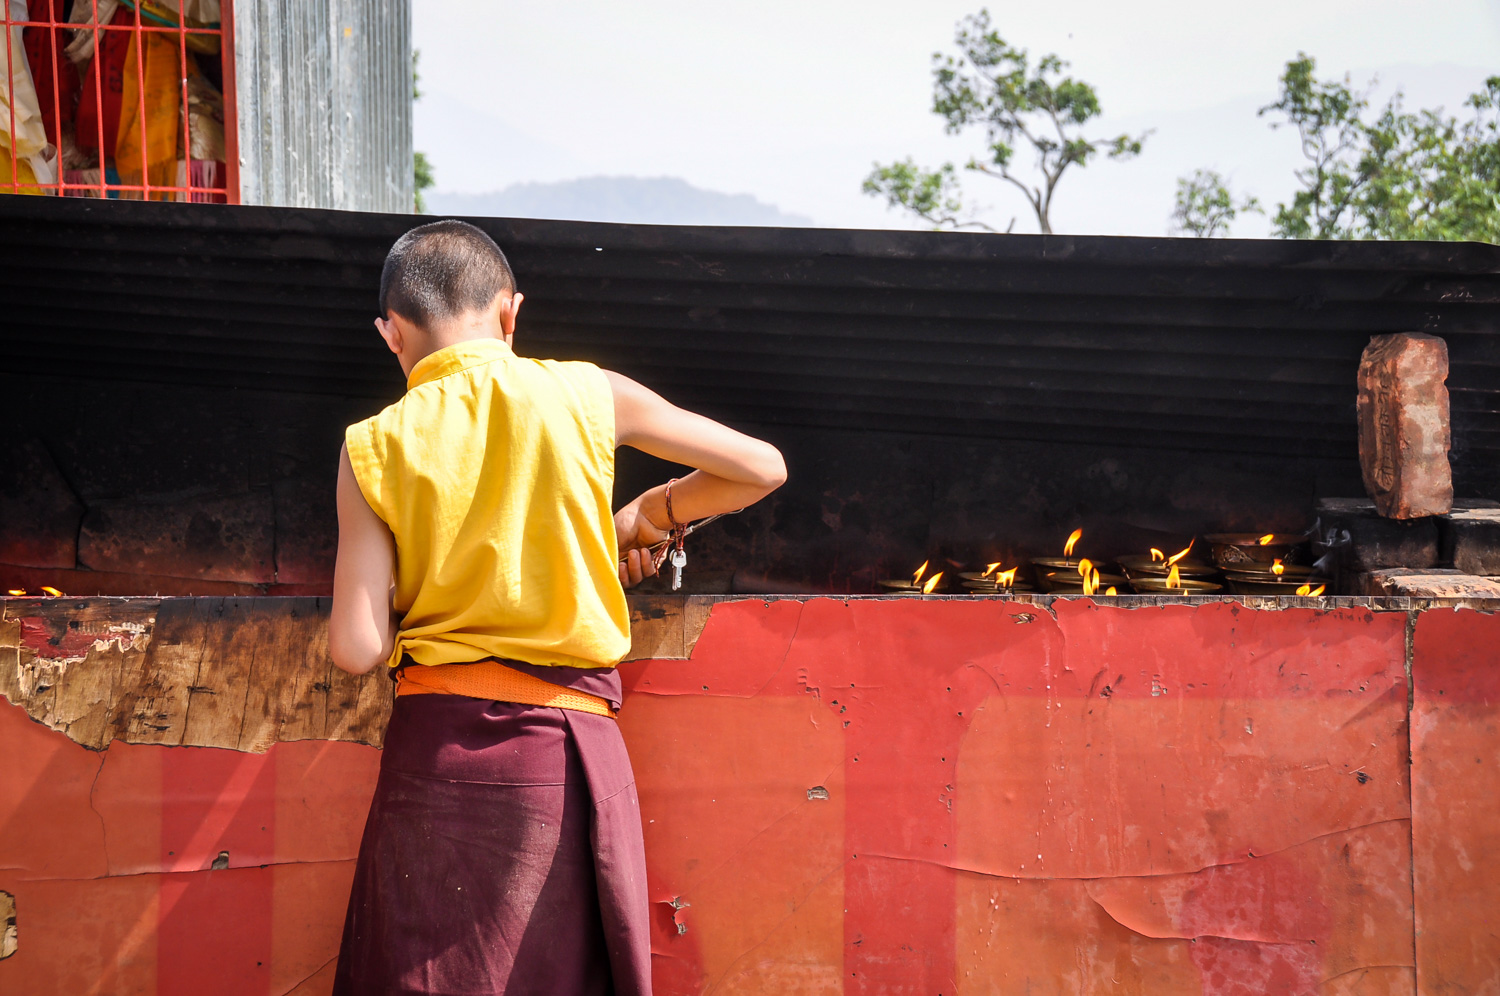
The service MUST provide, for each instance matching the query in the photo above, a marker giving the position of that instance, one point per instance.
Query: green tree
(1205, 207)
(422, 177)
(930, 194)
(1397, 175)
(991, 86)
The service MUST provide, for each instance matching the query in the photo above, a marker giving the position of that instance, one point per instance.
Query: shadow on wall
(157, 489)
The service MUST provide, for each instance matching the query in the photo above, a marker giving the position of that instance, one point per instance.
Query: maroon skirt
(502, 854)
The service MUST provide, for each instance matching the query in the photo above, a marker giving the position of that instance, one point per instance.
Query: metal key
(679, 561)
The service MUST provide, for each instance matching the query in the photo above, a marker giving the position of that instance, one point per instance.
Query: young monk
(503, 850)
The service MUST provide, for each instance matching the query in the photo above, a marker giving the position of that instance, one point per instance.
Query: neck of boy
(412, 342)
(470, 327)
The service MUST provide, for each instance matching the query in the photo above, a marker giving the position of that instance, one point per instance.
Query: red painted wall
(880, 796)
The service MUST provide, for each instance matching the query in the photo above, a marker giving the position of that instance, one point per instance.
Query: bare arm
(733, 470)
(361, 627)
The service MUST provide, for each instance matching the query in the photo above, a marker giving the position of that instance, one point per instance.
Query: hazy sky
(792, 101)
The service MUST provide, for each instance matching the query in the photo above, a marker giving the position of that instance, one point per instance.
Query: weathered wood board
(241, 673)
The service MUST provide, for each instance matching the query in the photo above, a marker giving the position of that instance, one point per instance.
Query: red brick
(1403, 425)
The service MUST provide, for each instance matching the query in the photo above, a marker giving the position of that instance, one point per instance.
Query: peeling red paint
(52, 642)
(36, 634)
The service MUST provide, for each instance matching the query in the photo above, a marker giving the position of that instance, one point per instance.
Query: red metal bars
(53, 160)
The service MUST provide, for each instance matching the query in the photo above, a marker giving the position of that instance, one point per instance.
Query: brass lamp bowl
(1232, 550)
(978, 588)
(1269, 584)
(1187, 586)
(896, 586)
(1146, 567)
(1263, 572)
(1071, 582)
(1055, 563)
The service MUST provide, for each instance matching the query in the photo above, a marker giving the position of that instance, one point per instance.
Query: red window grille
(126, 99)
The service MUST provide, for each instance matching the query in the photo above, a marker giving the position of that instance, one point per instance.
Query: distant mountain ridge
(634, 200)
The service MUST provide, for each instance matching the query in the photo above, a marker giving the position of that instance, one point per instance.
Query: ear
(509, 309)
(391, 333)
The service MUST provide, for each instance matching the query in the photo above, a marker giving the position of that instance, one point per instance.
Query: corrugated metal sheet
(1226, 346)
(324, 103)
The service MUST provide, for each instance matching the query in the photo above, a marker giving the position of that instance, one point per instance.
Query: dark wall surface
(961, 396)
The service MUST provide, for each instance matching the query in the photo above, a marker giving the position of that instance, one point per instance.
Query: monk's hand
(635, 567)
(636, 533)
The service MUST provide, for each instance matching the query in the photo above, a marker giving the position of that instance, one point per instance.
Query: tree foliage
(1393, 175)
(1020, 107)
(933, 195)
(421, 168)
(1205, 207)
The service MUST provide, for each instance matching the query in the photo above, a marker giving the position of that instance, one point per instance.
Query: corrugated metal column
(324, 104)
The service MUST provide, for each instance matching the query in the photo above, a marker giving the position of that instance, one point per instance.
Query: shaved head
(438, 272)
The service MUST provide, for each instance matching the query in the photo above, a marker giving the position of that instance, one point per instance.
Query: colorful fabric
(29, 157)
(495, 473)
(149, 154)
(503, 854)
(54, 77)
(103, 85)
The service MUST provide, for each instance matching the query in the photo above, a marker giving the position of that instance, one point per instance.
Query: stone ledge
(1471, 540)
(1432, 584)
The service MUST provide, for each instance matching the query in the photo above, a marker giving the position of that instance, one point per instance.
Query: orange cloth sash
(492, 680)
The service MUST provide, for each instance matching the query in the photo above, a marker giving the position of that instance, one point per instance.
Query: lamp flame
(1308, 589)
(1174, 578)
(1278, 568)
(990, 570)
(916, 578)
(1073, 539)
(1006, 578)
(18, 592)
(1111, 590)
(1266, 539)
(1157, 555)
(47, 589)
(1084, 566)
(1174, 558)
(1090, 581)
(932, 583)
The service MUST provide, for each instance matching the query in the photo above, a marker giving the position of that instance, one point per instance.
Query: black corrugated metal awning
(1226, 346)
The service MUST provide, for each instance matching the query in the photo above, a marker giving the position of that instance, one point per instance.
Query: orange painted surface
(110, 856)
(1456, 816)
(878, 796)
(1188, 800)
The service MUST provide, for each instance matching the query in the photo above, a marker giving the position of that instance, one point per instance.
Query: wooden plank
(236, 672)
(241, 673)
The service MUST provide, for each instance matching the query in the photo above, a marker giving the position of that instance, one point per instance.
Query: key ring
(673, 544)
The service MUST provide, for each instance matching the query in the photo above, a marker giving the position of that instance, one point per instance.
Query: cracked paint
(9, 933)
